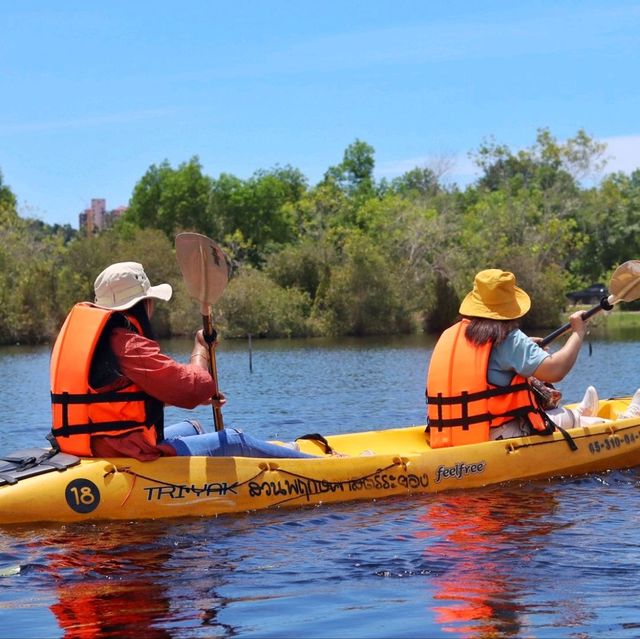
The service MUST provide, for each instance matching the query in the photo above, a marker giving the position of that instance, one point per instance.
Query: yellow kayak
(371, 465)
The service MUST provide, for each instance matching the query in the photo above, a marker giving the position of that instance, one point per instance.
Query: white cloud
(623, 153)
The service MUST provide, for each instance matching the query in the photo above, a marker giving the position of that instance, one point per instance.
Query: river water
(557, 558)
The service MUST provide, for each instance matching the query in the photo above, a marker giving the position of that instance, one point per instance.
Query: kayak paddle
(624, 287)
(205, 272)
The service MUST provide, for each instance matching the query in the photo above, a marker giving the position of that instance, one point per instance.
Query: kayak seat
(30, 462)
(319, 440)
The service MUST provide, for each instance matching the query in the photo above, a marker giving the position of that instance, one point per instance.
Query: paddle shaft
(210, 336)
(606, 304)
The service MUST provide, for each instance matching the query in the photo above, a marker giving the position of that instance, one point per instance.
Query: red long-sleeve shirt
(141, 361)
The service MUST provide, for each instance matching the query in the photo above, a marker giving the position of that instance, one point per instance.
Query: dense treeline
(347, 256)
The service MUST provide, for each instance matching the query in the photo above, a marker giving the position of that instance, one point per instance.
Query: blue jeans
(188, 438)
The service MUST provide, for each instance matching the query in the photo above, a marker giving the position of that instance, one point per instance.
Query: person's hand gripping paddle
(205, 272)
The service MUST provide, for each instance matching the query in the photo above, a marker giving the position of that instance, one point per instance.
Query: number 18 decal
(82, 495)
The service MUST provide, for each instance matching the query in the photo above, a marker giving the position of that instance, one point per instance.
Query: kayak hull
(377, 464)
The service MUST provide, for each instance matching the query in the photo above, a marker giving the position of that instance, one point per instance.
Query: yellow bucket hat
(495, 296)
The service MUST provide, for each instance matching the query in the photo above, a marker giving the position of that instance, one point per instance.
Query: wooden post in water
(250, 355)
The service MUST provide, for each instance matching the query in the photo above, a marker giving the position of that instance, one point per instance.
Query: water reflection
(128, 580)
(478, 545)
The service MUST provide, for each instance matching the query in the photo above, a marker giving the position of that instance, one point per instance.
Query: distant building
(96, 218)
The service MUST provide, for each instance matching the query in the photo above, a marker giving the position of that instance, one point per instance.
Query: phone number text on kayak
(613, 442)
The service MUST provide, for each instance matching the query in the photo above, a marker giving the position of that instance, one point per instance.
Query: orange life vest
(461, 404)
(80, 411)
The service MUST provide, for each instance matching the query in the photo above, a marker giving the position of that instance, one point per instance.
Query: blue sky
(92, 94)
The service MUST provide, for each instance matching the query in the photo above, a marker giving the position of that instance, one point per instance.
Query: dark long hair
(139, 311)
(105, 372)
(482, 330)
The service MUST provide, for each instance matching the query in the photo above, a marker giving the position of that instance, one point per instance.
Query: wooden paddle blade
(625, 282)
(624, 287)
(204, 267)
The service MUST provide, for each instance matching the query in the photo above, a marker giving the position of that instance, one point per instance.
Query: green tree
(173, 200)
(319, 210)
(418, 182)
(27, 279)
(259, 209)
(354, 178)
(355, 173)
(547, 165)
(304, 266)
(347, 256)
(362, 295)
(8, 202)
(610, 222)
(420, 237)
(255, 305)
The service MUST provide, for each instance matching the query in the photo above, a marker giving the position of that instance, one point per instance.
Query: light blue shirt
(517, 354)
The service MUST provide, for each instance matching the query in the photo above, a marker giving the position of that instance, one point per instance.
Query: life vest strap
(567, 438)
(95, 427)
(465, 421)
(97, 398)
(465, 397)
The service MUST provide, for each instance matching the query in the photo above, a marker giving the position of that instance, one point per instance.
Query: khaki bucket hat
(495, 296)
(122, 285)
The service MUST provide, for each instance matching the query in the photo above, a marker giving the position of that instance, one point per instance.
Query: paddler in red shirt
(110, 381)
